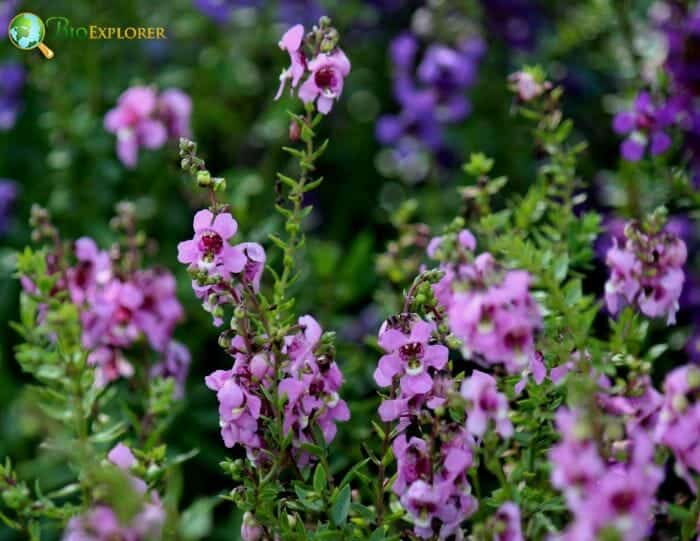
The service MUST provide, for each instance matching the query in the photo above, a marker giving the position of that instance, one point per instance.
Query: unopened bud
(294, 131)
(203, 179)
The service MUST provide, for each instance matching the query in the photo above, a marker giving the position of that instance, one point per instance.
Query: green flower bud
(204, 179)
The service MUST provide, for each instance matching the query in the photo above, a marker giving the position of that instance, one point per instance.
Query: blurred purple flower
(646, 127)
(11, 83)
(288, 11)
(8, 195)
(431, 91)
(8, 9)
(514, 21)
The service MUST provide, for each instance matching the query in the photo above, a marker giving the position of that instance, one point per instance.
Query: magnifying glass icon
(27, 32)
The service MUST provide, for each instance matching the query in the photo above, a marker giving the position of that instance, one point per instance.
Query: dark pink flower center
(488, 402)
(123, 315)
(211, 242)
(622, 501)
(414, 350)
(325, 78)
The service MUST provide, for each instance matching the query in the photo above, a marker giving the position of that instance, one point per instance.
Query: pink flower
(291, 42)
(239, 410)
(485, 404)
(251, 530)
(209, 251)
(311, 388)
(412, 460)
(110, 364)
(410, 355)
(679, 420)
(122, 457)
(93, 270)
(255, 263)
(422, 501)
(325, 84)
(131, 120)
(508, 515)
(174, 109)
(647, 271)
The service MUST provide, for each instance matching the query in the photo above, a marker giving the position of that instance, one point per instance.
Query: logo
(62, 28)
(27, 32)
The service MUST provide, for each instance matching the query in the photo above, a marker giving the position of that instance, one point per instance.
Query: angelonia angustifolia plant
(517, 396)
(98, 326)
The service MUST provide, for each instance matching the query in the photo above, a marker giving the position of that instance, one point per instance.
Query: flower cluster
(303, 371)
(432, 480)
(646, 271)
(680, 25)
(326, 68)
(484, 404)
(220, 270)
(144, 118)
(433, 453)
(609, 497)
(118, 309)
(431, 94)
(679, 420)
(11, 83)
(121, 305)
(8, 194)
(309, 384)
(101, 523)
(491, 310)
(646, 126)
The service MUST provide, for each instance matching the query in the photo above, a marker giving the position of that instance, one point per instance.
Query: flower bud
(203, 179)
(294, 131)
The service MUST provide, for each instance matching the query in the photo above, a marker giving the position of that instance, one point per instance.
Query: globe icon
(26, 31)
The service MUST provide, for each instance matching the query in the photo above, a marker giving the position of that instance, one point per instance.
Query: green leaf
(341, 506)
(197, 520)
(320, 478)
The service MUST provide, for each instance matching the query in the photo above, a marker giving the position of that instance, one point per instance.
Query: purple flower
(174, 365)
(422, 501)
(431, 95)
(485, 404)
(110, 364)
(508, 523)
(679, 420)
(8, 195)
(133, 123)
(292, 43)
(410, 355)
(646, 127)
(412, 462)
(325, 83)
(12, 78)
(251, 530)
(92, 271)
(647, 272)
(515, 21)
(527, 87)
(255, 263)
(209, 251)
(122, 457)
(239, 410)
(174, 109)
(496, 319)
(311, 388)
(144, 119)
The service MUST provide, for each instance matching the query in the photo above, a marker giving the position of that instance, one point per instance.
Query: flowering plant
(517, 395)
